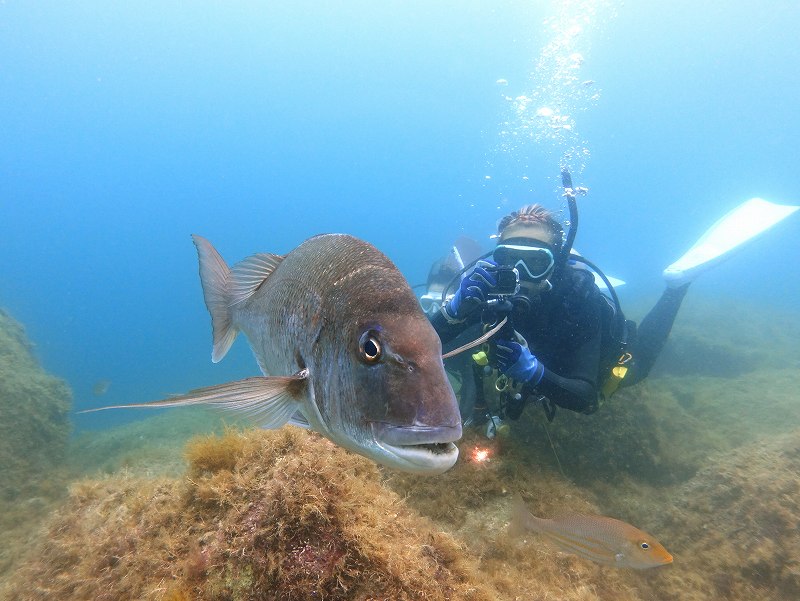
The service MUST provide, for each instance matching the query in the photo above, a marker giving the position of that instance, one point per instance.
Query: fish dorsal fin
(248, 275)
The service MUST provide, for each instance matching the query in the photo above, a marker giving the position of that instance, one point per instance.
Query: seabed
(705, 455)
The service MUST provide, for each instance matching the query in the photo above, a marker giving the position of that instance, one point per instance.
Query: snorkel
(570, 194)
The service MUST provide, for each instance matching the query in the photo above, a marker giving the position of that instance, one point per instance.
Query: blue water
(126, 127)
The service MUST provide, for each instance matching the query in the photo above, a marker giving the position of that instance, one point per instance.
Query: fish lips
(419, 448)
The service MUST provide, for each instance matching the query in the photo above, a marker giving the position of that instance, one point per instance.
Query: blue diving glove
(473, 291)
(518, 363)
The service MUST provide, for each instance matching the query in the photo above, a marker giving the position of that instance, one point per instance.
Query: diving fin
(598, 279)
(740, 225)
(616, 282)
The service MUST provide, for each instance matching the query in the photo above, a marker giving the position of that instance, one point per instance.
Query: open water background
(127, 127)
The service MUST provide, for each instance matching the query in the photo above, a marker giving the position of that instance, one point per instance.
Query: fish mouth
(419, 449)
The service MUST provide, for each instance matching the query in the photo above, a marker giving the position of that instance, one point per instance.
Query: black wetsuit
(570, 330)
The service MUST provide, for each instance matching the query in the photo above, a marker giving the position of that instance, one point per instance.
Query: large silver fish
(344, 346)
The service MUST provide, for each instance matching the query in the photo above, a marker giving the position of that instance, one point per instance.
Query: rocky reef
(34, 406)
(736, 524)
(260, 515)
(705, 455)
(705, 458)
(288, 515)
(34, 432)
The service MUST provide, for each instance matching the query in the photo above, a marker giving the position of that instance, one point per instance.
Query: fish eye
(370, 347)
(644, 545)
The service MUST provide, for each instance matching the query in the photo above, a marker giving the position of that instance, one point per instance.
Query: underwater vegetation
(150, 447)
(34, 406)
(737, 523)
(706, 459)
(259, 515)
(34, 430)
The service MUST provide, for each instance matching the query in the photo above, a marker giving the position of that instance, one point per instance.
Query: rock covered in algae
(260, 515)
(473, 500)
(736, 526)
(681, 455)
(34, 430)
(34, 427)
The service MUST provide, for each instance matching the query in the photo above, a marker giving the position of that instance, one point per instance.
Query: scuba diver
(565, 343)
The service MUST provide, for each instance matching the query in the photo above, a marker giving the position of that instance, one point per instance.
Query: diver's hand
(518, 363)
(473, 291)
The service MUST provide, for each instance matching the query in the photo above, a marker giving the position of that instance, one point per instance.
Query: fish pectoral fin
(477, 341)
(269, 400)
(299, 420)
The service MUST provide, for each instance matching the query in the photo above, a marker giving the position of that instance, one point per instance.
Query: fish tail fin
(522, 520)
(214, 276)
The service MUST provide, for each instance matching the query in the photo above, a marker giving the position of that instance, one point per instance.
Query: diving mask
(533, 259)
(431, 302)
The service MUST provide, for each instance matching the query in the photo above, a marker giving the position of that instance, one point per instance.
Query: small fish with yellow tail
(601, 539)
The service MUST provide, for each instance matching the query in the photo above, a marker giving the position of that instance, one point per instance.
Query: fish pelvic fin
(269, 401)
(214, 277)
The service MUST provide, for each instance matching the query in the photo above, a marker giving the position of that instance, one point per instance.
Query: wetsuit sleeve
(572, 382)
(448, 331)
(571, 393)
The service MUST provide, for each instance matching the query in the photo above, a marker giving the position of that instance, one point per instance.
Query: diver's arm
(519, 363)
(570, 381)
(574, 394)
(573, 385)
(448, 330)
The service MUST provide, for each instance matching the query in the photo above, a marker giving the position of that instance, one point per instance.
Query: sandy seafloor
(705, 455)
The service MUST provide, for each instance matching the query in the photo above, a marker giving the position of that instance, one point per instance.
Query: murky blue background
(126, 127)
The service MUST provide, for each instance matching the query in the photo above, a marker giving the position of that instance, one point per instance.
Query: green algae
(34, 430)
(293, 517)
(34, 406)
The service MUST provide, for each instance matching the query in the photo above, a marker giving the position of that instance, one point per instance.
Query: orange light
(479, 454)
